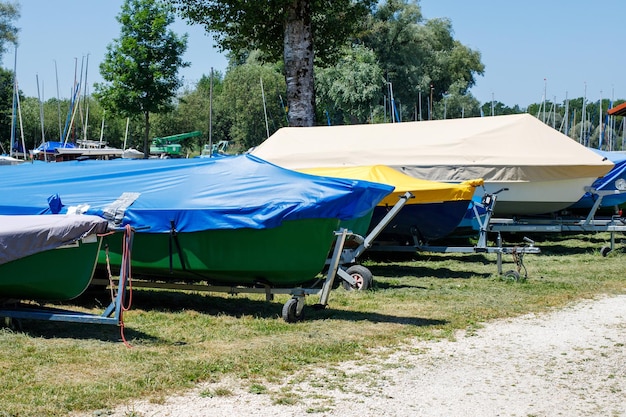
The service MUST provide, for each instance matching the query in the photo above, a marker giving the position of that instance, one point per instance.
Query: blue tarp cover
(51, 146)
(189, 194)
(607, 182)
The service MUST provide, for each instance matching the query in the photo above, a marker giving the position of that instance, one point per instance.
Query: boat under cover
(434, 212)
(543, 169)
(237, 220)
(48, 257)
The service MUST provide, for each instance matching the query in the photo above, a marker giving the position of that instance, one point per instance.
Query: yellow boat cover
(425, 191)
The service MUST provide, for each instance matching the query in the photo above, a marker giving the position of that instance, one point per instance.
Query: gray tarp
(25, 235)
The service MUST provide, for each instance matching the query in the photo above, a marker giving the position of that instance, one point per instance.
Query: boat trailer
(488, 202)
(293, 309)
(113, 314)
(590, 224)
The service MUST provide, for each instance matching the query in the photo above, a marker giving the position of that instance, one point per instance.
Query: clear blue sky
(528, 47)
(71, 32)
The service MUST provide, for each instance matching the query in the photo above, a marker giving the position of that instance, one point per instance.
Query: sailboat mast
(13, 114)
(267, 128)
(566, 118)
(86, 102)
(582, 118)
(211, 114)
(102, 127)
(600, 126)
(19, 113)
(125, 132)
(43, 134)
(56, 73)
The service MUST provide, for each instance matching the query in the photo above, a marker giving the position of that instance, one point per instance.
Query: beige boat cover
(424, 191)
(497, 148)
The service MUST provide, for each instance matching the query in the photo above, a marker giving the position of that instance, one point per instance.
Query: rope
(125, 275)
(518, 258)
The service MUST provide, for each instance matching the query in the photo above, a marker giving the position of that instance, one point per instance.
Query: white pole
(267, 128)
(419, 104)
(85, 137)
(545, 88)
(393, 106)
(102, 128)
(43, 135)
(15, 93)
(58, 102)
(211, 115)
(582, 118)
(600, 127)
(566, 115)
(126, 133)
(19, 112)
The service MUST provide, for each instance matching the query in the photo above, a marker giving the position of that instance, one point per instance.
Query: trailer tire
(290, 311)
(605, 250)
(362, 276)
(512, 276)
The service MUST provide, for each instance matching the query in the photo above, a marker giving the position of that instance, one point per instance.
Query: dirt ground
(570, 362)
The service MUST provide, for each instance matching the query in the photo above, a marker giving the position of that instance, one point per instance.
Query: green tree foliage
(419, 57)
(241, 103)
(456, 103)
(141, 66)
(9, 12)
(192, 113)
(6, 108)
(29, 124)
(349, 90)
(297, 31)
(497, 108)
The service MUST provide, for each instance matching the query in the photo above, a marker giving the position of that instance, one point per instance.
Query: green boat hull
(54, 275)
(289, 255)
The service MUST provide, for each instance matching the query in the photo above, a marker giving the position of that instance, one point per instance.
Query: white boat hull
(537, 197)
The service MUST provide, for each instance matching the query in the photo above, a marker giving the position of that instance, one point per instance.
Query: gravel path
(570, 362)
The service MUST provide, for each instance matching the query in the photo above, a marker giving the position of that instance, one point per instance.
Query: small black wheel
(511, 275)
(290, 311)
(605, 250)
(361, 275)
(13, 323)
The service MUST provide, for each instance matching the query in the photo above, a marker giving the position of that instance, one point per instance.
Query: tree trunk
(146, 136)
(298, 55)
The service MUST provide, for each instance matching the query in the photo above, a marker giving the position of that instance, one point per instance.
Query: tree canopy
(140, 68)
(300, 32)
(9, 12)
(350, 90)
(419, 57)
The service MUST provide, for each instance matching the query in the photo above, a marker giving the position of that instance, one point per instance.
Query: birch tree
(298, 32)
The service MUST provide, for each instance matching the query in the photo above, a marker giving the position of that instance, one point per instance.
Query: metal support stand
(482, 246)
(111, 315)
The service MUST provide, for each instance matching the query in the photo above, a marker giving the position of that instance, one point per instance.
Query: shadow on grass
(74, 330)
(174, 302)
(403, 271)
(330, 313)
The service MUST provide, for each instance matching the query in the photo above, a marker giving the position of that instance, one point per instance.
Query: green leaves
(140, 68)
(8, 32)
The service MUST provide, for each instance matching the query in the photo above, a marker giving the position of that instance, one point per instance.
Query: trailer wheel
(511, 275)
(290, 311)
(605, 250)
(361, 275)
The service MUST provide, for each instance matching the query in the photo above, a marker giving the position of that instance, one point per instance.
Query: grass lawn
(182, 338)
